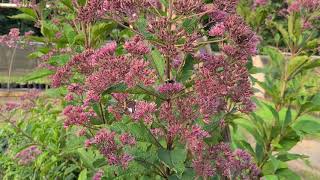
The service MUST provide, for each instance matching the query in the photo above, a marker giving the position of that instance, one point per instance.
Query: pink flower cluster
(28, 155)
(187, 6)
(98, 175)
(309, 5)
(77, 115)
(261, 2)
(144, 111)
(102, 69)
(217, 30)
(170, 88)
(27, 102)
(91, 11)
(220, 159)
(136, 46)
(106, 143)
(11, 39)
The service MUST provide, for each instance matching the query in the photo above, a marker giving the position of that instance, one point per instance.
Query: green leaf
(307, 126)
(100, 162)
(242, 144)
(59, 59)
(174, 159)
(69, 33)
(159, 62)
(285, 156)
(141, 133)
(100, 31)
(190, 24)
(86, 157)
(29, 11)
(274, 112)
(67, 3)
(296, 64)
(188, 174)
(259, 152)
(275, 54)
(37, 74)
(83, 175)
(36, 54)
(23, 16)
(312, 64)
(282, 31)
(165, 3)
(48, 29)
(187, 69)
(142, 27)
(285, 174)
(290, 139)
(270, 177)
(287, 119)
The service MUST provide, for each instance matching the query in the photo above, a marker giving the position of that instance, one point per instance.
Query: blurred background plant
(290, 33)
(33, 142)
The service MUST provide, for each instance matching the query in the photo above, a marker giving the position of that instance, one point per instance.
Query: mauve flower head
(77, 115)
(69, 97)
(307, 25)
(127, 139)
(98, 175)
(139, 72)
(75, 88)
(203, 168)
(107, 50)
(170, 88)
(125, 159)
(91, 11)
(14, 32)
(217, 30)
(261, 2)
(177, 62)
(28, 33)
(28, 155)
(15, 1)
(106, 143)
(58, 35)
(136, 46)
(187, 6)
(120, 97)
(11, 39)
(82, 132)
(294, 7)
(144, 111)
(31, 95)
(10, 106)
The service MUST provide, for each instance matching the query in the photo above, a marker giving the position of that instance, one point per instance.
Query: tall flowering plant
(147, 97)
(158, 102)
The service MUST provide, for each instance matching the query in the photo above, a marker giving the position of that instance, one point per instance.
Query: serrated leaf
(187, 69)
(159, 62)
(288, 119)
(296, 64)
(190, 24)
(174, 159)
(86, 157)
(307, 126)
